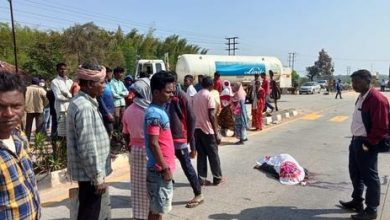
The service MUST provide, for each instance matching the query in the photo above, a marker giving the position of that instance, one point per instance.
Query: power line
(104, 17)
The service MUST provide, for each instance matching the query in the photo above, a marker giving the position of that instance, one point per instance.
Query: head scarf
(129, 77)
(227, 89)
(144, 93)
(239, 94)
(92, 75)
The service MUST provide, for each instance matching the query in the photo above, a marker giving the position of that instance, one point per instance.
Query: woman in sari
(258, 106)
(225, 118)
(239, 112)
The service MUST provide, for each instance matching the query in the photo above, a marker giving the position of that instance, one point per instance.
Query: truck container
(232, 68)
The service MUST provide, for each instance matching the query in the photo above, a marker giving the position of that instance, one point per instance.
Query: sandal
(195, 202)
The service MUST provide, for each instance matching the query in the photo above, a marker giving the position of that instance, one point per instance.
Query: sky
(355, 33)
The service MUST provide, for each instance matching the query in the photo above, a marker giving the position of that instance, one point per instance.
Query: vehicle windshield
(322, 81)
(309, 84)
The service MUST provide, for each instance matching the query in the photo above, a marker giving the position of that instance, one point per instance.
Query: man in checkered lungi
(133, 130)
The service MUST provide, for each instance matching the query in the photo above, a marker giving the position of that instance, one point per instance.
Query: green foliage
(295, 78)
(322, 67)
(40, 51)
(45, 161)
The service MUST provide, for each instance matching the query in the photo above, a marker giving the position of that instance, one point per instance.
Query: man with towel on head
(88, 143)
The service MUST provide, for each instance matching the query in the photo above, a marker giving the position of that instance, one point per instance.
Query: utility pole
(13, 35)
(348, 70)
(232, 42)
(291, 60)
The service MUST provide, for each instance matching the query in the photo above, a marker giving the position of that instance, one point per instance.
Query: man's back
(202, 102)
(35, 99)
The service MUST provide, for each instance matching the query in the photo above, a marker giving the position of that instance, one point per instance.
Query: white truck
(232, 68)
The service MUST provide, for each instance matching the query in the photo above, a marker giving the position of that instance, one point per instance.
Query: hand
(193, 154)
(65, 94)
(218, 139)
(167, 175)
(110, 117)
(100, 188)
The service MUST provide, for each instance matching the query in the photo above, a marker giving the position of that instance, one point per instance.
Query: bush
(45, 160)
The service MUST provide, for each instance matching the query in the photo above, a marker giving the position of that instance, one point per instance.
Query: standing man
(198, 86)
(370, 127)
(338, 89)
(217, 82)
(206, 134)
(275, 90)
(106, 104)
(188, 87)
(383, 85)
(53, 131)
(266, 87)
(159, 146)
(19, 197)
(35, 103)
(88, 144)
(119, 92)
(61, 86)
(182, 121)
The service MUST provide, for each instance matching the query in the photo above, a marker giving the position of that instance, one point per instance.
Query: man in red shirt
(217, 82)
(370, 130)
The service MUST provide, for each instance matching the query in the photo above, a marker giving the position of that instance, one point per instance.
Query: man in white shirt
(61, 86)
(188, 87)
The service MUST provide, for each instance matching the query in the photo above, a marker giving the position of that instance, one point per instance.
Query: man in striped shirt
(19, 197)
(88, 144)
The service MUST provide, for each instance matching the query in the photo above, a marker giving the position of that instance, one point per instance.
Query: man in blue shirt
(106, 104)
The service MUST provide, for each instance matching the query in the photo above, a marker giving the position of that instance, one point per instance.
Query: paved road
(318, 140)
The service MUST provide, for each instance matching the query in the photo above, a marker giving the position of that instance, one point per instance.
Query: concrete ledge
(52, 179)
(61, 177)
(267, 120)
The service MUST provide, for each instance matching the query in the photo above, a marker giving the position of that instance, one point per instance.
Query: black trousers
(38, 123)
(338, 93)
(363, 170)
(185, 162)
(89, 202)
(207, 147)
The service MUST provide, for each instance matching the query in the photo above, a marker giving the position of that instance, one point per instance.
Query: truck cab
(149, 67)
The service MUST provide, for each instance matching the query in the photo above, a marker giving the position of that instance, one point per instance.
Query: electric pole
(232, 42)
(291, 60)
(13, 35)
(348, 70)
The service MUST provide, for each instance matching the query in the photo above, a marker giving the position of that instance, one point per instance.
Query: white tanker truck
(232, 68)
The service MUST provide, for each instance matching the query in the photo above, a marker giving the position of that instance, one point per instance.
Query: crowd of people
(157, 117)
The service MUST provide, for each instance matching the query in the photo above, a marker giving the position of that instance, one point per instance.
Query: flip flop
(194, 203)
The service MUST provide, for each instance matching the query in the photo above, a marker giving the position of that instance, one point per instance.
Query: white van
(149, 67)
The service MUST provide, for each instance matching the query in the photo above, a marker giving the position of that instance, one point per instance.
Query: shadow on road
(284, 212)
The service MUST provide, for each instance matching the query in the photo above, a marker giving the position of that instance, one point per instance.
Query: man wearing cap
(370, 127)
(35, 103)
(88, 143)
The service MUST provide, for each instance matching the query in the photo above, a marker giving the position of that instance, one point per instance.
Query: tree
(322, 67)
(294, 78)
